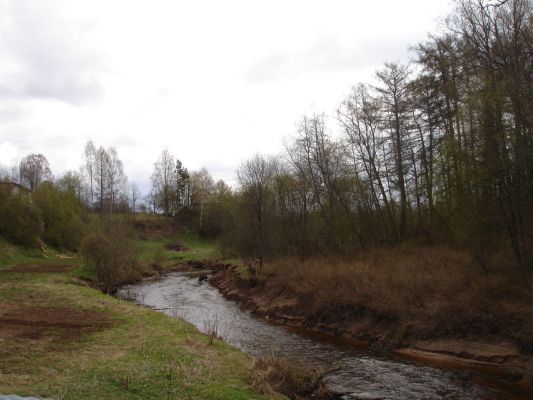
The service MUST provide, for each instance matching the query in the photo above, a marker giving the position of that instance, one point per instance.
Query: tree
(202, 188)
(5, 173)
(164, 182)
(393, 88)
(360, 117)
(109, 179)
(256, 177)
(33, 170)
(19, 220)
(182, 183)
(88, 167)
(60, 213)
(116, 179)
(72, 182)
(134, 197)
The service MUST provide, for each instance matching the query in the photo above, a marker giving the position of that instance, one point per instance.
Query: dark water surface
(365, 374)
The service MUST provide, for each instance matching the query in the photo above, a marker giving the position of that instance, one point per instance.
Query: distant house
(14, 189)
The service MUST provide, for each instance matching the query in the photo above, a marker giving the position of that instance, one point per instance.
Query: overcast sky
(212, 81)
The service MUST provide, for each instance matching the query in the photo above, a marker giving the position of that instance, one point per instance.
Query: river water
(363, 373)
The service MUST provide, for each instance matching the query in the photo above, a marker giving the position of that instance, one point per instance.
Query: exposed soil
(176, 247)
(498, 358)
(161, 227)
(39, 268)
(48, 322)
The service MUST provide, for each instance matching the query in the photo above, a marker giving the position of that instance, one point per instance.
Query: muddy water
(363, 374)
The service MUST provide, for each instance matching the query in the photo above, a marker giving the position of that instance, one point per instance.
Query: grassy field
(61, 339)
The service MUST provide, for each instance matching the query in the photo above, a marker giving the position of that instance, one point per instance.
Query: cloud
(45, 55)
(8, 153)
(12, 113)
(326, 54)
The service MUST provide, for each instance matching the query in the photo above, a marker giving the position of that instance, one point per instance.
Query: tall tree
(256, 177)
(134, 196)
(33, 170)
(182, 180)
(88, 167)
(164, 182)
(202, 188)
(393, 88)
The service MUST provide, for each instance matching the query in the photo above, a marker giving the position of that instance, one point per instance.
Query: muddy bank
(501, 360)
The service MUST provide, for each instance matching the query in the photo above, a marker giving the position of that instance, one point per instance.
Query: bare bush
(278, 375)
(158, 257)
(110, 251)
(211, 330)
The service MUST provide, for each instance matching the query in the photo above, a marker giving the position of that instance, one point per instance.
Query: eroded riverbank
(496, 363)
(363, 372)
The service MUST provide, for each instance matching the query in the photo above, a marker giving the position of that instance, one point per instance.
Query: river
(363, 373)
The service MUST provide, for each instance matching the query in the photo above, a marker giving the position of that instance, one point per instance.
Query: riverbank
(448, 316)
(62, 339)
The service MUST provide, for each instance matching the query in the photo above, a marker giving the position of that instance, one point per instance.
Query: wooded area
(437, 151)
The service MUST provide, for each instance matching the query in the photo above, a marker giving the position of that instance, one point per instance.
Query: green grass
(15, 255)
(197, 249)
(140, 354)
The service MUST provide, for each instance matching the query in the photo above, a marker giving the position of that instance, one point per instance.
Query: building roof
(14, 184)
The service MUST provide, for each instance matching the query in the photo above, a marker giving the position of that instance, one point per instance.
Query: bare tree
(5, 173)
(101, 164)
(360, 117)
(256, 177)
(33, 170)
(203, 187)
(117, 179)
(393, 88)
(110, 181)
(134, 196)
(89, 156)
(164, 182)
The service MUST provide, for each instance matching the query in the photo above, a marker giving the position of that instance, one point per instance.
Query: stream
(364, 374)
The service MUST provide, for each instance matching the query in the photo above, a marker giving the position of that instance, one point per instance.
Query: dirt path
(41, 323)
(39, 268)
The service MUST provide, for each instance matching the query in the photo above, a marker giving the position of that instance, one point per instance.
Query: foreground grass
(129, 353)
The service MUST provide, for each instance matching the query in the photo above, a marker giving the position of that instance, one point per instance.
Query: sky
(214, 82)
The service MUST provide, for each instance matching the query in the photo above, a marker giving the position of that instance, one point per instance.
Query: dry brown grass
(278, 375)
(428, 291)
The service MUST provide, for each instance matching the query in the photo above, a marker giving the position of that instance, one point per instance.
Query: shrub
(109, 249)
(158, 257)
(61, 214)
(278, 375)
(19, 223)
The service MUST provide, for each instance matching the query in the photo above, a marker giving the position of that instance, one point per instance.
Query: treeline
(438, 150)
(45, 212)
(193, 198)
(58, 210)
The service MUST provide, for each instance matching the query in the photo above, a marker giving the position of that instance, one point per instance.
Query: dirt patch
(48, 322)
(176, 247)
(39, 268)
(156, 227)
